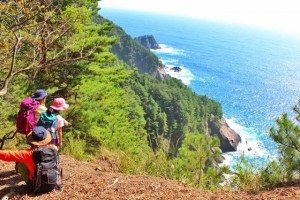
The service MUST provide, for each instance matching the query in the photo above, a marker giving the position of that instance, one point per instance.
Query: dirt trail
(98, 180)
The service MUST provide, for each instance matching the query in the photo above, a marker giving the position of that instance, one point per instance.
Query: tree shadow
(17, 192)
(8, 180)
(10, 177)
(11, 181)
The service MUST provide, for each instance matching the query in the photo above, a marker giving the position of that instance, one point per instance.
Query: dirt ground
(98, 180)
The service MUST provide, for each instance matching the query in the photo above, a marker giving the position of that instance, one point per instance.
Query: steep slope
(99, 180)
(133, 53)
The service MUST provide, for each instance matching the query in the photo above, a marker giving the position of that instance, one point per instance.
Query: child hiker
(59, 104)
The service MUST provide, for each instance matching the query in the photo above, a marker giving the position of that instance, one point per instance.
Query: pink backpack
(26, 115)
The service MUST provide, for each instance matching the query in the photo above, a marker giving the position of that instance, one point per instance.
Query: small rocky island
(176, 69)
(148, 41)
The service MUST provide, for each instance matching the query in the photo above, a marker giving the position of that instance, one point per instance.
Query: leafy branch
(37, 35)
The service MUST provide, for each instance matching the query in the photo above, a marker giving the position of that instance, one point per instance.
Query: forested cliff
(138, 55)
(118, 108)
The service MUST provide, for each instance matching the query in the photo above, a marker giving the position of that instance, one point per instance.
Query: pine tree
(287, 135)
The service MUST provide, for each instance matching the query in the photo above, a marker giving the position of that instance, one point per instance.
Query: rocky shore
(229, 139)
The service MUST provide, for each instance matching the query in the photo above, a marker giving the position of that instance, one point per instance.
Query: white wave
(203, 80)
(169, 61)
(185, 75)
(251, 147)
(170, 50)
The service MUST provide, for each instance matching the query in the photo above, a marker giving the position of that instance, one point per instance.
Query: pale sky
(280, 15)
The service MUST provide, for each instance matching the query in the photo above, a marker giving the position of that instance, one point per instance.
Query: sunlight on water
(251, 147)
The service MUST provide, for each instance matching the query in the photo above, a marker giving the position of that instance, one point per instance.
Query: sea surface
(254, 74)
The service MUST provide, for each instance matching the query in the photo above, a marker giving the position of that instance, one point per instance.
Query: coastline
(229, 138)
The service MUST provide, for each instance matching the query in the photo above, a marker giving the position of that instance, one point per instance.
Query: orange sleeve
(16, 156)
(24, 156)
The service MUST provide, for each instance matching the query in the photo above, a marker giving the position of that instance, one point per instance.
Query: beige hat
(39, 136)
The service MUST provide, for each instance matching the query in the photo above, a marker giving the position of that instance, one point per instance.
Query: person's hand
(66, 123)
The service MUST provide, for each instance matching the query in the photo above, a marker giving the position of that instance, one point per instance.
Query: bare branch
(54, 63)
(10, 74)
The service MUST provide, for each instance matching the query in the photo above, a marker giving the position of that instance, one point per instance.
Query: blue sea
(254, 74)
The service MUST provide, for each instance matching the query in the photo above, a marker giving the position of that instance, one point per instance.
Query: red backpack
(26, 115)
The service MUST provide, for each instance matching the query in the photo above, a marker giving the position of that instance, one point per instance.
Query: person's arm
(24, 156)
(66, 123)
(16, 156)
(59, 126)
(59, 132)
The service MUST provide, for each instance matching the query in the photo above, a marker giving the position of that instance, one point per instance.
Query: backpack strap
(37, 182)
(54, 133)
(54, 113)
(59, 183)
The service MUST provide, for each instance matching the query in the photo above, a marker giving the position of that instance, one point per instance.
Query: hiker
(40, 96)
(30, 110)
(39, 165)
(59, 104)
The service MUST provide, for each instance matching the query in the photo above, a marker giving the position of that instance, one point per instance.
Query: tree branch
(10, 74)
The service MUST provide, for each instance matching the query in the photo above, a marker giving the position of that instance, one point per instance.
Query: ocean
(254, 74)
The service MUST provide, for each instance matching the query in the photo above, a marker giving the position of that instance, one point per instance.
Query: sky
(278, 15)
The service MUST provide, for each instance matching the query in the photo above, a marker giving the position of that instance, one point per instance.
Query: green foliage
(109, 115)
(75, 148)
(246, 177)
(39, 35)
(213, 178)
(116, 112)
(156, 164)
(272, 175)
(190, 164)
(172, 110)
(287, 134)
(297, 111)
